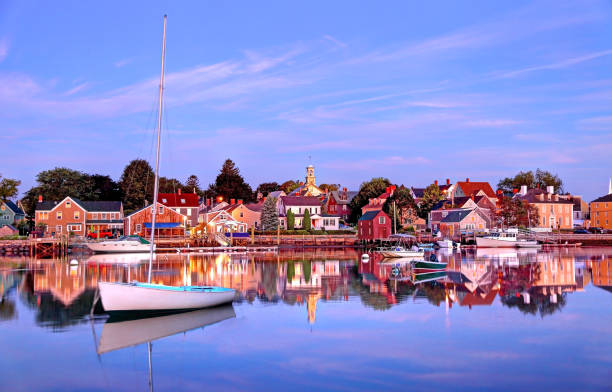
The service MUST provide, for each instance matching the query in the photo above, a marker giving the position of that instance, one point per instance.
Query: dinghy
(424, 266)
(147, 297)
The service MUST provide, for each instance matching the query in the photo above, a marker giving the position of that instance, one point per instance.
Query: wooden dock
(36, 247)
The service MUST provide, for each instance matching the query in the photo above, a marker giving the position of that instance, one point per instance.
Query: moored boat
(146, 297)
(428, 276)
(431, 265)
(127, 244)
(400, 251)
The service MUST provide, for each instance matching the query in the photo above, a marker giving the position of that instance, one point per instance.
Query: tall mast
(159, 124)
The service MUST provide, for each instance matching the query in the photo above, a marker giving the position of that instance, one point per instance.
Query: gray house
(10, 214)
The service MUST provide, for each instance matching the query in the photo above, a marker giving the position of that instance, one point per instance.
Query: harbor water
(316, 319)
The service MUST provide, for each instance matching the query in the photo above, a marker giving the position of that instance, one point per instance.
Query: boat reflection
(121, 333)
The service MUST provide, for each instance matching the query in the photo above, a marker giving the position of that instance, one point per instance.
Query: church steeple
(310, 176)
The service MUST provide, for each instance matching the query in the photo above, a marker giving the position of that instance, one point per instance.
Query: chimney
(40, 198)
(232, 201)
(239, 201)
(179, 191)
(499, 192)
(467, 180)
(523, 190)
(264, 199)
(514, 191)
(448, 181)
(472, 197)
(550, 189)
(194, 192)
(436, 182)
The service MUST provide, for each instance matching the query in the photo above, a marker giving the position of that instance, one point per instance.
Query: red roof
(179, 199)
(470, 188)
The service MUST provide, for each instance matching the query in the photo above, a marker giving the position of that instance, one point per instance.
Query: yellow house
(601, 212)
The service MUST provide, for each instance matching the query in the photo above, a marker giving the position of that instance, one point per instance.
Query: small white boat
(448, 244)
(147, 297)
(400, 251)
(497, 240)
(128, 244)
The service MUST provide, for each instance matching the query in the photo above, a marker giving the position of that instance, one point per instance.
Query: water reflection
(532, 282)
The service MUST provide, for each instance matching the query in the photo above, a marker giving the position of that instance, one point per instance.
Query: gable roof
(470, 188)
(370, 215)
(179, 200)
(13, 207)
(456, 216)
(301, 201)
(349, 196)
(533, 196)
(257, 207)
(418, 192)
(158, 204)
(277, 194)
(606, 198)
(89, 206)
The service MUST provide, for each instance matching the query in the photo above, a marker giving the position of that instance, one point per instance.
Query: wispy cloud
(335, 41)
(123, 62)
(603, 123)
(493, 123)
(559, 64)
(77, 88)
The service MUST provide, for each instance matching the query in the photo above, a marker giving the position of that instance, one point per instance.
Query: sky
(411, 91)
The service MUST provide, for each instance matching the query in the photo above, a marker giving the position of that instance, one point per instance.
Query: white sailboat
(127, 244)
(147, 297)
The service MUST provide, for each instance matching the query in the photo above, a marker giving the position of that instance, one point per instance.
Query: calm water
(317, 320)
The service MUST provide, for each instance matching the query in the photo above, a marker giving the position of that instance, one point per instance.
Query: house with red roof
(377, 203)
(468, 188)
(186, 204)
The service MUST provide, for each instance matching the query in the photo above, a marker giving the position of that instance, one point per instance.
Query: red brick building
(168, 223)
(374, 225)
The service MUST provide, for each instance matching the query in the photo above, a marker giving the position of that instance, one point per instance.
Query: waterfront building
(457, 221)
(183, 203)
(221, 221)
(581, 211)
(7, 230)
(10, 213)
(601, 212)
(73, 216)
(554, 211)
(374, 225)
(338, 203)
(168, 222)
(298, 206)
(249, 214)
(308, 188)
(602, 274)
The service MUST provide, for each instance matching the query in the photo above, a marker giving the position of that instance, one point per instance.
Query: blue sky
(413, 92)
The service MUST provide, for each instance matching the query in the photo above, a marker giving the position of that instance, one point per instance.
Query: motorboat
(126, 244)
(148, 297)
(524, 243)
(446, 243)
(151, 298)
(505, 239)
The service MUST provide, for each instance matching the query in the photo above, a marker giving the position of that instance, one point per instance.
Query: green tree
(368, 190)
(8, 188)
(290, 220)
(269, 214)
(104, 188)
(290, 270)
(306, 223)
(58, 183)
(170, 185)
(515, 212)
(329, 187)
(136, 184)
(541, 178)
(404, 202)
(230, 185)
(431, 196)
(289, 186)
(267, 187)
(193, 183)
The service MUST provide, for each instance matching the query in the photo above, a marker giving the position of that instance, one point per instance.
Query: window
(566, 221)
(241, 214)
(94, 216)
(58, 229)
(59, 215)
(138, 228)
(161, 210)
(344, 207)
(75, 228)
(189, 212)
(381, 220)
(68, 204)
(77, 215)
(103, 216)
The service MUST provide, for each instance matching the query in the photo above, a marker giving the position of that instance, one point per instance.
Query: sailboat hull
(137, 297)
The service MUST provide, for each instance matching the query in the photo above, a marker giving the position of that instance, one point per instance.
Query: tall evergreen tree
(230, 185)
(306, 223)
(269, 214)
(193, 183)
(290, 220)
(136, 184)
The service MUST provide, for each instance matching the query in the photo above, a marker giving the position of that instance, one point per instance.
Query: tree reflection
(538, 304)
(7, 309)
